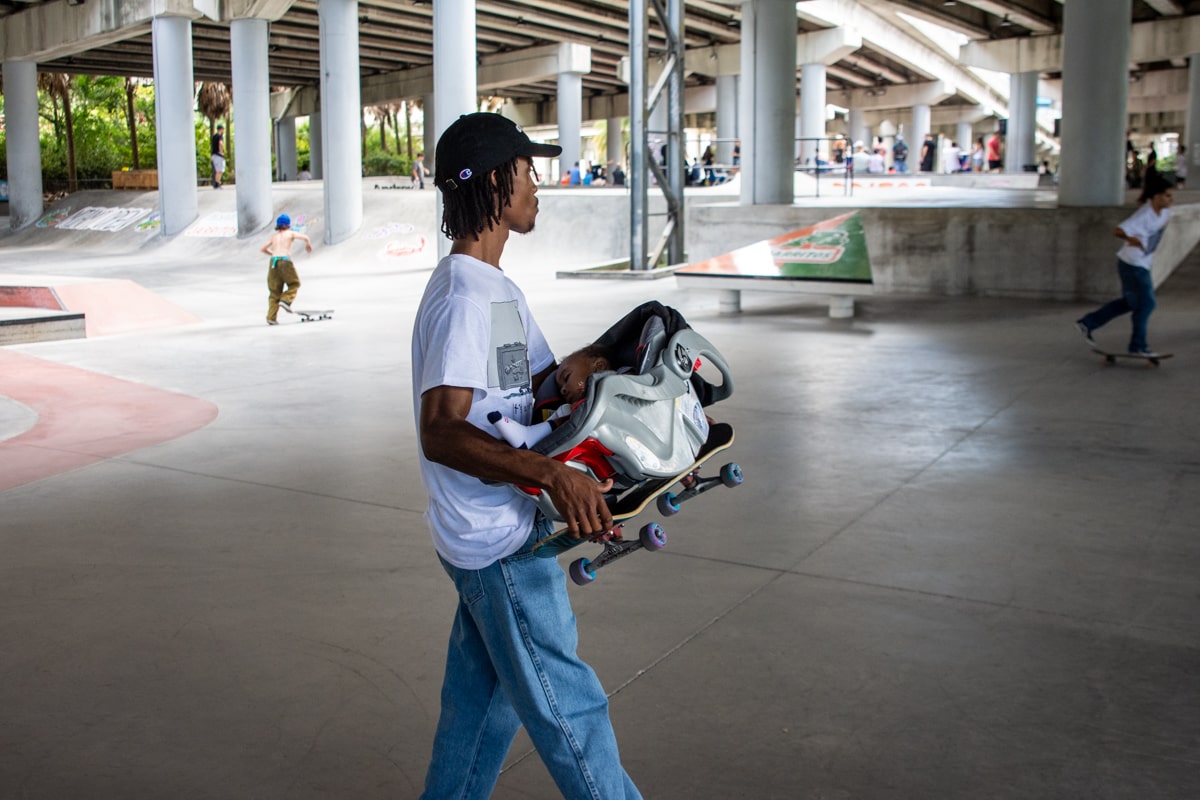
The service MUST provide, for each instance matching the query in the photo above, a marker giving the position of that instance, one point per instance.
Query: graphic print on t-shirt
(1151, 243)
(509, 366)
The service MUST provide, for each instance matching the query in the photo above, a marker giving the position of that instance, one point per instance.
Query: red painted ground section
(29, 297)
(85, 417)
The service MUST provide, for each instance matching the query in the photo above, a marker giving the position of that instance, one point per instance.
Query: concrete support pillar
(856, 128)
(176, 125)
(341, 118)
(964, 135)
(1192, 132)
(727, 129)
(798, 131)
(922, 123)
(614, 147)
(286, 167)
(456, 88)
(570, 117)
(315, 147)
(768, 100)
(251, 123)
(24, 149)
(812, 108)
(1095, 94)
(1021, 141)
(430, 132)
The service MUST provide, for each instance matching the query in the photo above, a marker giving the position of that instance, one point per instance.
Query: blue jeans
(512, 662)
(1137, 299)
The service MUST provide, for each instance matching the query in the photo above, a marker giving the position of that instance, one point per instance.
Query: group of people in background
(984, 157)
(1138, 172)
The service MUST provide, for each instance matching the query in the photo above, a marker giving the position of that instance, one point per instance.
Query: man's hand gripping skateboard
(606, 524)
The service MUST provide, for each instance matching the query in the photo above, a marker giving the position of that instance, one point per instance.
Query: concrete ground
(963, 564)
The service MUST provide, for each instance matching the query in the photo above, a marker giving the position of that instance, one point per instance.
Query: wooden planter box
(135, 179)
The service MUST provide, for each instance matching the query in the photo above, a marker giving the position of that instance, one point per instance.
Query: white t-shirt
(1148, 227)
(474, 330)
(950, 162)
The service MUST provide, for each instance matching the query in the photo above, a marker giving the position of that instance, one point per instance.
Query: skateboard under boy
(313, 316)
(1111, 358)
(634, 501)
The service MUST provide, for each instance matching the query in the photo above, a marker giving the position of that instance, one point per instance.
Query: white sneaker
(1086, 331)
(286, 306)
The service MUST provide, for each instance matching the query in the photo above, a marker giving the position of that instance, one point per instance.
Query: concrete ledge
(618, 270)
(26, 325)
(841, 294)
(1047, 253)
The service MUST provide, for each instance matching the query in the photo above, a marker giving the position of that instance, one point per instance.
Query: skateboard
(1111, 358)
(313, 316)
(635, 500)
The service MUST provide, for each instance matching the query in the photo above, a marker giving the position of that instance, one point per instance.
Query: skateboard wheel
(580, 572)
(667, 505)
(653, 537)
(731, 475)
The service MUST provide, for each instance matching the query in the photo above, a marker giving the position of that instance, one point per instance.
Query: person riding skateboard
(1141, 234)
(476, 348)
(282, 272)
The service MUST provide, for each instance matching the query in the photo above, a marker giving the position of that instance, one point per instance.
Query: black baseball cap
(475, 144)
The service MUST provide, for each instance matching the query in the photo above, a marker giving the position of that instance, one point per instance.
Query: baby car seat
(646, 420)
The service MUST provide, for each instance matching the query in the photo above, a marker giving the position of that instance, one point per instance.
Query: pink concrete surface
(109, 306)
(85, 417)
(120, 306)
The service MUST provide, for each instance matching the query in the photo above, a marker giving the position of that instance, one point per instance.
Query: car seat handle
(684, 350)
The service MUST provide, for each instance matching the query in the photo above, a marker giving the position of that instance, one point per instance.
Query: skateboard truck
(651, 538)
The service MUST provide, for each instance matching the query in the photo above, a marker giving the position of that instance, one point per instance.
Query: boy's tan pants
(281, 272)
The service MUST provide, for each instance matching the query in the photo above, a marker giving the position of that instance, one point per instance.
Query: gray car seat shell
(644, 424)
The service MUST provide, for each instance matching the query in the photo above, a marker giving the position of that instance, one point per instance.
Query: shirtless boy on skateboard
(282, 271)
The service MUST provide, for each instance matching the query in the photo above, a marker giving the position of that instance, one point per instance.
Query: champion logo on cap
(465, 174)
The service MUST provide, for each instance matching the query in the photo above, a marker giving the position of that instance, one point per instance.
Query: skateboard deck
(1111, 358)
(635, 501)
(313, 316)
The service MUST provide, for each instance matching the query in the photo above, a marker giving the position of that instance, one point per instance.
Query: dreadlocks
(477, 204)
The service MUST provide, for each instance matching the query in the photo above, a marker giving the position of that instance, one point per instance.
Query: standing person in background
(928, 153)
(618, 175)
(1181, 166)
(978, 156)
(477, 349)
(900, 155)
(418, 171)
(217, 146)
(995, 158)
(950, 162)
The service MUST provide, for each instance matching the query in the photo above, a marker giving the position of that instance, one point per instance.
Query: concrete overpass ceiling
(397, 34)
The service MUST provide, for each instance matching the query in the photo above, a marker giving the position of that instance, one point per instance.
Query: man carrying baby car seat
(476, 350)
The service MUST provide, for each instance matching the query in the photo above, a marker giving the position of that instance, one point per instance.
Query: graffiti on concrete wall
(402, 240)
(94, 218)
(217, 225)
